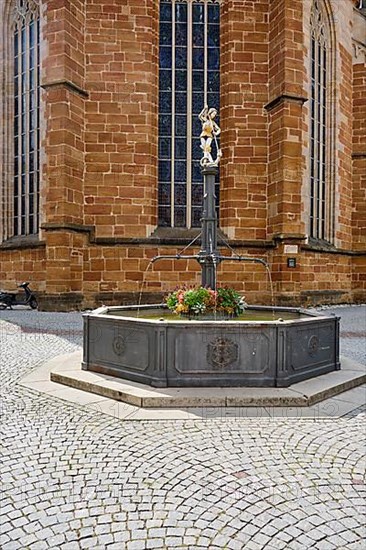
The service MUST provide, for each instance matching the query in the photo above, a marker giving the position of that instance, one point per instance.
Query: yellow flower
(181, 308)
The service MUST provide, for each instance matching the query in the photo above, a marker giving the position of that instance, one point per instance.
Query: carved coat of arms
(313, 345)
(119, 345)
(222, 352)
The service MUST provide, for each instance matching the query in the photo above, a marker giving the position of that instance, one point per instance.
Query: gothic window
(189, 78)
(21, 108)
(321, 125)
(26, 32)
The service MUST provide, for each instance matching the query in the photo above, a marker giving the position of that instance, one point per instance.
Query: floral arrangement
(201, 301)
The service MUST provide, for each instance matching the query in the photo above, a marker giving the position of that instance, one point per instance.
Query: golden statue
(210, 131)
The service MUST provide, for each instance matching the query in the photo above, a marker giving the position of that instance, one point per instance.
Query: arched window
(189, 78)
(26, 33)
(21, 108)
(322, 168)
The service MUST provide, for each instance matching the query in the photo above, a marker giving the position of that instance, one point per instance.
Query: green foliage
(196, 301)
(230, 300)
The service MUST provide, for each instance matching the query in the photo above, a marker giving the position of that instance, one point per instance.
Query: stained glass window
(26, 50)
(189, 78)
(321, 106)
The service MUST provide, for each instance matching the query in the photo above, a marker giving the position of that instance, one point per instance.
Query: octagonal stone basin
(265, 347)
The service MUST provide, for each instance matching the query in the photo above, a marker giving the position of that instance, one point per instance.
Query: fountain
(277, 348)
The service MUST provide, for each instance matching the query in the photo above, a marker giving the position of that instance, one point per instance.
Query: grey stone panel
(204, 354)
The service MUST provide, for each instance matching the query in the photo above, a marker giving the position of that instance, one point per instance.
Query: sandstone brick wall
(122, 269)
(99, 181)
(359, 278)
(359, 155)
(325, 278)
(62, 186)
(244, 68)
(63, 80)
(285, 130)
(19, 265)
(359, 147)
(286, 98)
(343, 210)
(120, 180)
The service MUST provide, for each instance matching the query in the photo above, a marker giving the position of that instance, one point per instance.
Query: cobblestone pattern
(352, 329)
(77, 479)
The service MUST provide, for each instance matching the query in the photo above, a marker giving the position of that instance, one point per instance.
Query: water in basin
(249, 315)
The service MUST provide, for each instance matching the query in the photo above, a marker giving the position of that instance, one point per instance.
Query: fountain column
(208, 255)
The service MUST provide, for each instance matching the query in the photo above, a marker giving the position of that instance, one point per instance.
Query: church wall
(23, 264)
(359, 133)
(244, 92)
(120, 179)
(99, 185)
(359, 154)
(64, 96)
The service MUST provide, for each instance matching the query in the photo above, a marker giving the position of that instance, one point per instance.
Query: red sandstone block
(92, 275)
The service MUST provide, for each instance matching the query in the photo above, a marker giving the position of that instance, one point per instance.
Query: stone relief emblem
(222, 352)
(313, 345)
(119, 345)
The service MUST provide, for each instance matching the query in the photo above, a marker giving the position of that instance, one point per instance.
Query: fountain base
(163, 352)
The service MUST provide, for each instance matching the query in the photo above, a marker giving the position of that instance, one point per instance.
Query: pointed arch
(322, 121)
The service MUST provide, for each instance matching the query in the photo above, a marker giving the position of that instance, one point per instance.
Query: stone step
(67, 370)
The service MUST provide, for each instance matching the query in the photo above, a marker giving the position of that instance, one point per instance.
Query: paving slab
(329, 408)
(66, 371)
(355, 395)
(113, 408)
(42, 371)
(44, 386)
(317, 389)
(76, 396)
(100, 473)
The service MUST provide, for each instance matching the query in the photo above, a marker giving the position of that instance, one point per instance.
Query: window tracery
(189, 78)
(26, 35)
(21, 116)
(321, 125)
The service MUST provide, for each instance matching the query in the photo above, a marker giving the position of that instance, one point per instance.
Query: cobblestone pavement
(75, 479)
(353, 330)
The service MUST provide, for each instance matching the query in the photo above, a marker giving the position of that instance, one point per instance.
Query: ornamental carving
(318, 26)
(24, 11)
(119, 345)
(313, 345)
(359, 52)
(222, 352)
